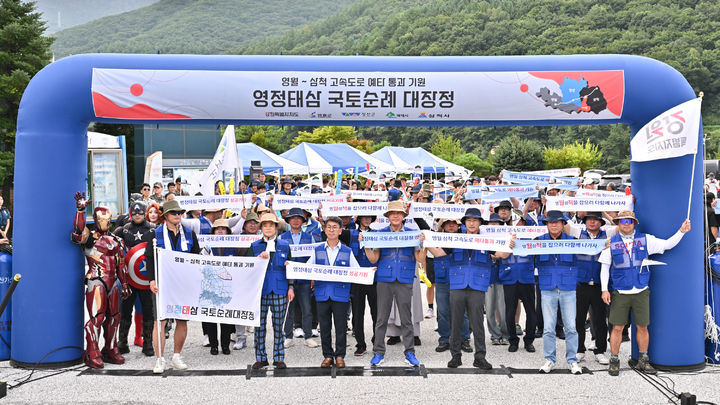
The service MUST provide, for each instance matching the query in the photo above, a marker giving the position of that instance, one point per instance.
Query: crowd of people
(561, 295)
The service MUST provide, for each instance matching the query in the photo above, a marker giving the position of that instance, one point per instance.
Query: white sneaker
(315, 333)
(250, 329)
(206, 341)
(575, 368)
(233, 338)
(177, 362)
(298, 332)
(601, 358)
(591, 346)
(429, 313)
(288, 342)
(580, 357)
(311, 343)
(159, 365)
(239, 345)
(547, 367)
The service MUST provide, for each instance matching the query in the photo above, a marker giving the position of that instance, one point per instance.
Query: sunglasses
(175, 212)
(626, 221)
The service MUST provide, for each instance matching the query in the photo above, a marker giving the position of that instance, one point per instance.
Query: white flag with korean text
(225, 160)
(671, 134)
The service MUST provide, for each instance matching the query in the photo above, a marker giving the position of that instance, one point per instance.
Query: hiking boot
(455, 362)
(482, 364)
(441, 347)
(614, 366)
(645, 366)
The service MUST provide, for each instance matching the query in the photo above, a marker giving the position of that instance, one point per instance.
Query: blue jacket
(330, 290)
(178, 246)
(205, 226)
(275, 279)
(627, 272)
(588, 265)
(517, 269)
(470, 268)
(556, 270)
(442, 269)
(396, 263)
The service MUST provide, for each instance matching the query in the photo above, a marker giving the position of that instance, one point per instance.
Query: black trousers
(329, 311)
(361, 292)
(590, 297)
(146, 302)
(225, 331)
(526, 294)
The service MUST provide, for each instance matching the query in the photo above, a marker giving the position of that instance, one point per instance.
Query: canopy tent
(406, 159)
(327, 158)
(269, 161)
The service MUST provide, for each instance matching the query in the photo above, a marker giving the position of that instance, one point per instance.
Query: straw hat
(268, 217)
(220, 223)
(625, 214)
(443, 221)
(396, 206)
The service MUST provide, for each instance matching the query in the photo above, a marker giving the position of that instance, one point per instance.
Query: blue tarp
(327, 158)
(270, 161)
(406, 159)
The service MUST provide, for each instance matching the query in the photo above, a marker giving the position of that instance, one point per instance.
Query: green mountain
(63, 14)
(193, 26)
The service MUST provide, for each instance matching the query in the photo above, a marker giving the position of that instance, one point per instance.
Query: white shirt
(654, 246)
(332, 255)
(576, 229)
(270, 244)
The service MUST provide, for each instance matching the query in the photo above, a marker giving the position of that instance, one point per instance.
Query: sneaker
(280, 365)
(518, 329)
(377, 360)
(465, 346)
(233, 338)
(614, 367)
(645, 366)
(482, 364)
(259, 365)
(580, 357)
(288, 342)
(591, 346)
(575, 368)
(239, 345)
(529, 348)
(495, 342)
(455, 362)
(601, 358)
(159, 366)
(206, 341)
(441, 347)
(177, 362)
(298, 332)
(411, 359)
(393, 340)
(360, 352)
(310, 343)
(547, 367)
(504, 342)
(315, 333)
(429, 313)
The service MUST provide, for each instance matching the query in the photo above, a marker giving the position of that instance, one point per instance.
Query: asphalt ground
(224, 378)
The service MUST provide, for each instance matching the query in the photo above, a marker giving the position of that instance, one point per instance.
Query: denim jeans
(303, 297)
(550, 301)
(442, 298)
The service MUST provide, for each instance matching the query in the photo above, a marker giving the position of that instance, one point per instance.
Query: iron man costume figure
(104, 254)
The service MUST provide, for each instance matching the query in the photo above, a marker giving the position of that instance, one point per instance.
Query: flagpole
(692, 175)
(160, 348)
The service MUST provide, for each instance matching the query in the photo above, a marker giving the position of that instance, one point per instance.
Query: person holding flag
(625, 272)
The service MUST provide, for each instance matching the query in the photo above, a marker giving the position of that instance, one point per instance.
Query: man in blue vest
(333, 298)
(303, 294)
(557, 278)
(469, 281)
(623, 271)
(395, 276)
(171, 235)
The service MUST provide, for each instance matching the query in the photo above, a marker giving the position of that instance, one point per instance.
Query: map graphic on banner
(216, 287)
(357, 96)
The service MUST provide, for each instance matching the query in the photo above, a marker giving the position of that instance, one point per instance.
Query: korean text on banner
(231, 201)
(466, 241)
(210, 289)
(562, 246)
(529, 178)
(302, 271)
(432, 210)
(671, 134)
(569, 172)
(367, 195)
(599, 203)
(520, 232)
(227, 241)
(498, 193)
(310, 202)
(340, 209)
(377, 240)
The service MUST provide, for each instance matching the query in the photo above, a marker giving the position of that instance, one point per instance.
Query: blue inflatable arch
(51, 165)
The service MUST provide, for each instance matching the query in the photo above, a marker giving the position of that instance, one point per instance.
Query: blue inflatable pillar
(6, 277)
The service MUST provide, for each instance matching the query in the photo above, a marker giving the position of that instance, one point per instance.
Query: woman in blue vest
(622, 271)
(469, 280)
(557, 279)
(171, 235)
(277, 290)
(333, 298)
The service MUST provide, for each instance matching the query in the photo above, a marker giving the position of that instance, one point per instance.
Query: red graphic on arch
(104, 107)
(610, 82)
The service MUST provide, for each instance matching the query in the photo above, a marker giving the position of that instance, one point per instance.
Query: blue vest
(588, 265)
(442, 269)
(331, 290)
(396, 263)
(205, 226)
(470, 268)
(627, 272)
(715, 262)
(517, 269)
(275, 279)
(178, 245)
(556, 270)
(305, 239)
(313, 227)
(357, 250)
